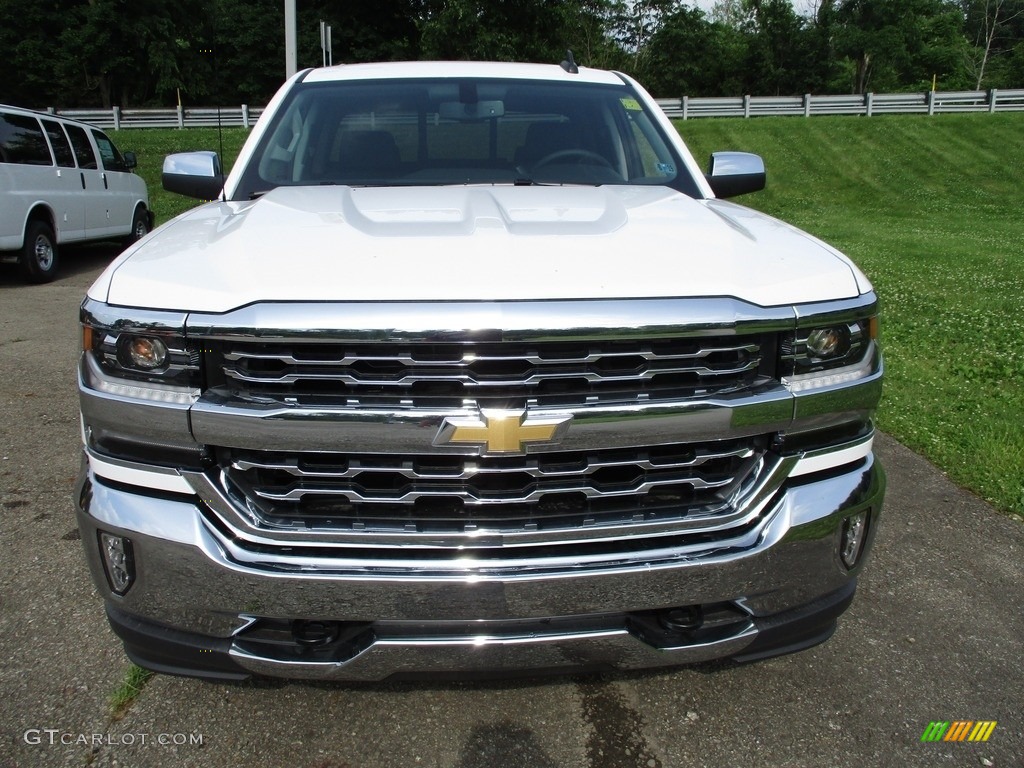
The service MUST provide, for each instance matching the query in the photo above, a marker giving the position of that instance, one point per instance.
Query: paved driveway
(936, 633)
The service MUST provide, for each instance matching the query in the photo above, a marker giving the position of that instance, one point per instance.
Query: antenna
(569, 65)
(216, 87)
(220, 141)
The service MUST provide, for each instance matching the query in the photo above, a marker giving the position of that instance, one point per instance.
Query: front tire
(39, 254)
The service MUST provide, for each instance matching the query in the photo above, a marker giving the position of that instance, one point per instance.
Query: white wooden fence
(117, 118)
(927, 103)
(685, 108)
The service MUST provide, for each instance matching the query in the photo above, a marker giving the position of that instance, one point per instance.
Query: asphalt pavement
(936, 634)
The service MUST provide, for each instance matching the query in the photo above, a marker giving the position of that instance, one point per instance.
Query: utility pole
(325, 43)
(291, 53)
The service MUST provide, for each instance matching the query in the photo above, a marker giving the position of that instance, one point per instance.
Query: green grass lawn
(152, 144)
(931, 209)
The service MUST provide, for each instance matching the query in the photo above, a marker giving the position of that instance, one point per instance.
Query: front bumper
(203, 603)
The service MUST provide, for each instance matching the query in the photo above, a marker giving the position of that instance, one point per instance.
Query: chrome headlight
(139, 354)
(826, 351)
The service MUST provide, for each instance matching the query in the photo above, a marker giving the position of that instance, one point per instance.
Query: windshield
(462, 131)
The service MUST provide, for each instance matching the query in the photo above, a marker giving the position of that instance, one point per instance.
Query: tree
(133, 53)
(587, 26)
(990, 28)
(827, 69)
(27, 37)
(894, 44)
(493, 30)
(243, 45)
(779, 48)
(130, 53)
(731, 13)
(361, 30)
(1013, 65)
(634, 24)
(691, 55)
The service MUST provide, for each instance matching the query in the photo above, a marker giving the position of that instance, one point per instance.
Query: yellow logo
(499, 431)
(959, 730)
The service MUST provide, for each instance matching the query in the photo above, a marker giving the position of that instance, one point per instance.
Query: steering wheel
(579, 154)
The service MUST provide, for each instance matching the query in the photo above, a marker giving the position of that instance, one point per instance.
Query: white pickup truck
(467, 367)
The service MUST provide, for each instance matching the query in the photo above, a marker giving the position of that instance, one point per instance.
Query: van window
(112, 160)
(21, 141)
(59, 142)
(83, 149)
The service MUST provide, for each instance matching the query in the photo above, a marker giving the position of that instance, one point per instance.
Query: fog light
(314, 633)
(686, 619)
(855, 528)
(118, 561)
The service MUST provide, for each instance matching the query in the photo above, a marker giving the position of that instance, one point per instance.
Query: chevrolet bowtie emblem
(499, 431)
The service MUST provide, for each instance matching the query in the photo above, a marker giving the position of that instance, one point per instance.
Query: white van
(62, 181)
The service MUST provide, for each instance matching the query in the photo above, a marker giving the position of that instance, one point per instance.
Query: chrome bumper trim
(616, 647)
(251, 531)
(130, 473)
(188, 577)
(145, 421)
(246, 425)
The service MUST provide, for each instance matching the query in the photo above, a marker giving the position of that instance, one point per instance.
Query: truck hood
(473, 243)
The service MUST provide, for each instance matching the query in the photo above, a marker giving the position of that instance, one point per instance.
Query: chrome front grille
(464, 495)
(329, 419)
(423, 374)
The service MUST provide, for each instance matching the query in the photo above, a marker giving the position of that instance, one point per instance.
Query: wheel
(39, 254)
(140, 226)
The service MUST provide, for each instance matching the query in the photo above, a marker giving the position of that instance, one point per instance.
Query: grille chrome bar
(239, 366)
(610, 370)
(470, 498)
(590, 376)
(471, 469)
(468, 358)
(461, 495)
(714, 523)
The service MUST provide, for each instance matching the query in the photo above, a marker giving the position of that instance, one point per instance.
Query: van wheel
(39, 254)
(140, 226)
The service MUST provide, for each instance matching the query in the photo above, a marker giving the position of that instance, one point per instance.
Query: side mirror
(193, 174)
(735, 173)
(130, 160)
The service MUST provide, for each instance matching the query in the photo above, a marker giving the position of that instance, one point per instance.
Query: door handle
(83, 179)
(104, 180)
